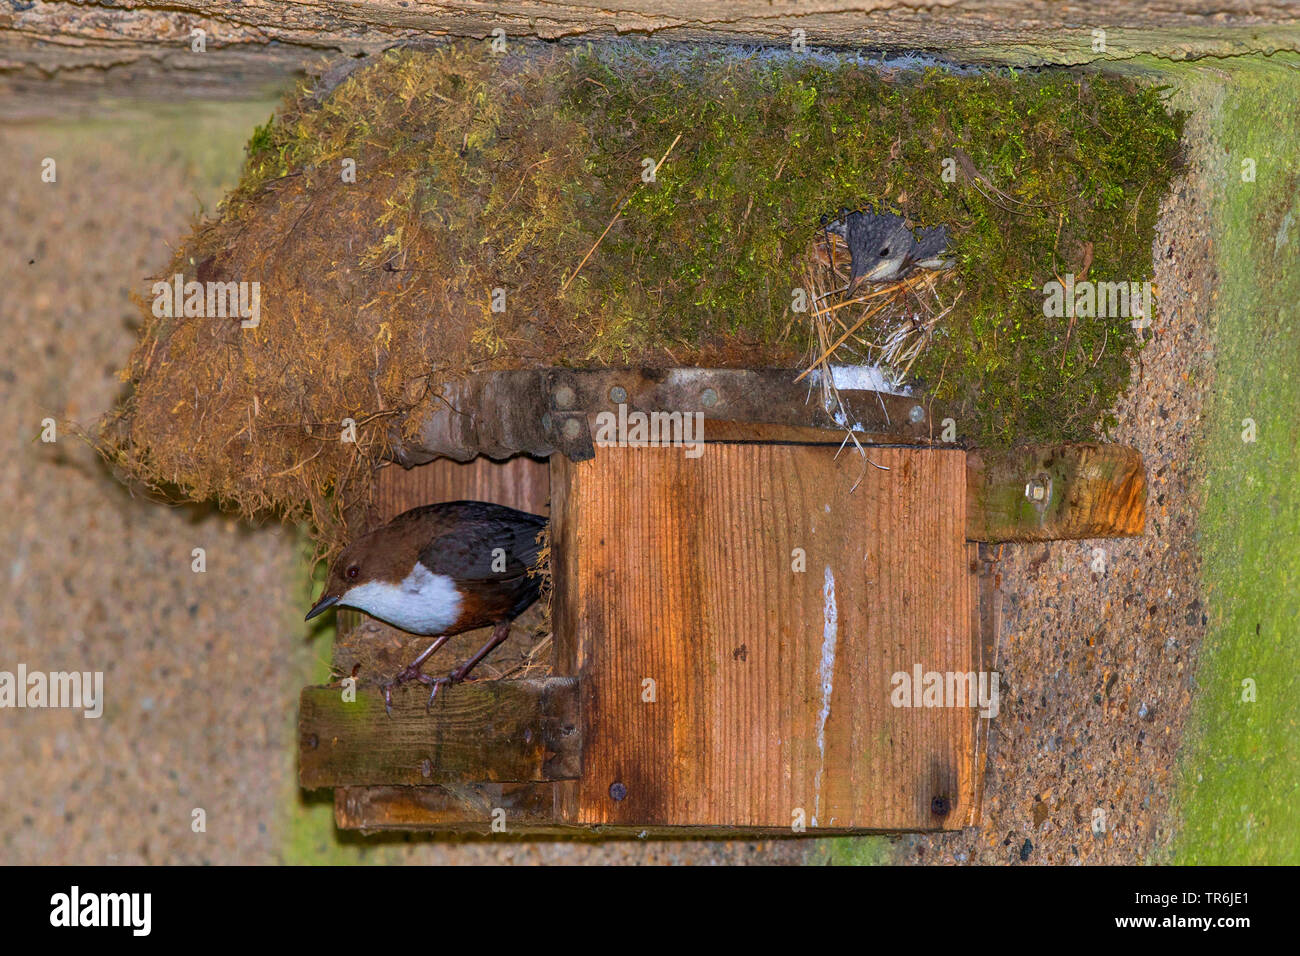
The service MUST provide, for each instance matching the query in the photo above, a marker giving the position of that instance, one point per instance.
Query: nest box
(769, 632)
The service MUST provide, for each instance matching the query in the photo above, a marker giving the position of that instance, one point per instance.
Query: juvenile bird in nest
(883, 249)
(440, 569)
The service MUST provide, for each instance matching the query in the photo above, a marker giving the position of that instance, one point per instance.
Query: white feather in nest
(855, 378)
(866, 378)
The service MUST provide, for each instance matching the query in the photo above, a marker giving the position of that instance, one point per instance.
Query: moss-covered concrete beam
(148, 49)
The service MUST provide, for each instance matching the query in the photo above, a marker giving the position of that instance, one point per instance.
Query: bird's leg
(411, 672)
(499, 634)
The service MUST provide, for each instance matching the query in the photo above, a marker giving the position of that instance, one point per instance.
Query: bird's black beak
(324, 604)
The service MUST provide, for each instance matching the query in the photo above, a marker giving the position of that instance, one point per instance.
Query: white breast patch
(424, 603)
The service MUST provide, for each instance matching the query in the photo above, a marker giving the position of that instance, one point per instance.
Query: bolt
(618, 395)
(565, 397)
(917, 414)
(709, 397)
(572, 428)
(617, 790)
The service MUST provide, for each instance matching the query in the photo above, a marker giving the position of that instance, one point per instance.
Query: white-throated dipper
(441, 569)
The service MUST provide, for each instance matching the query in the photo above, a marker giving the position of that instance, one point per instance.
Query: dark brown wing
(480, 541)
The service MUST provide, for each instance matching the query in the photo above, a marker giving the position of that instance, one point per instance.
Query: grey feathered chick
(930, 245)
(882, 248)
(879, 244)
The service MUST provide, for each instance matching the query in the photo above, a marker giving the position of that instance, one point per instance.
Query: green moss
(771, 144)
(853, 851)
(710, 252)
(477, 172)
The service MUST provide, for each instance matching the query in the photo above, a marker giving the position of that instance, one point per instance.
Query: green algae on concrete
(1241, 756)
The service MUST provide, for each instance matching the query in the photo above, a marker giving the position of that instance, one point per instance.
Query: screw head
(571, 428)
(618, 395)
(917, 414)
(939, 806)
(565, 396)
(709, 398)
(618, 790)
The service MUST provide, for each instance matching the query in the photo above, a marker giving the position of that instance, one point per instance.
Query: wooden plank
(1042, 493)
(480, 731)
(771, 685)
(988, 613)
(470, 807)
(520, 482)
(737, 432)
(525, 809)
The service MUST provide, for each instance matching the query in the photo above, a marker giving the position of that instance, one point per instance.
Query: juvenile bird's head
(879, 244)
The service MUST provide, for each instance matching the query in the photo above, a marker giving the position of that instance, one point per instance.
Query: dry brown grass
(885, 324)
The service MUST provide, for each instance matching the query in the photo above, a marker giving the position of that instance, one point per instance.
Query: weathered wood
(480, 731)
(148, 49)
(987, 609)
(520, 482)
(470, 806)
(771, 685)
(760, 433)
(543, 411)
(1043, 493)
(524, 809)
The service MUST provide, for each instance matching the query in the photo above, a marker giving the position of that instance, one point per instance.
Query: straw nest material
(445, 211)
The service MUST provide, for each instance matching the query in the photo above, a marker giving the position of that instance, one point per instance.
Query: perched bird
(440, 569)
(882, 248)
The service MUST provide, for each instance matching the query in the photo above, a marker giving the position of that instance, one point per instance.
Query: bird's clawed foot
(455, 677)
(411, 672)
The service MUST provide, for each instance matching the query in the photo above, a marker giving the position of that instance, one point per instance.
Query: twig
(838, 342)
(289, 471)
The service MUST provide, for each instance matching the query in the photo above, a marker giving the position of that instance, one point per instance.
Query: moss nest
(477, 172)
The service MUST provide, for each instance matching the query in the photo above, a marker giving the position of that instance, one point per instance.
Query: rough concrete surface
(1099, 639)
(201, 670)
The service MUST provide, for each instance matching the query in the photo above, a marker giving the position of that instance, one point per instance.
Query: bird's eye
(352, 572)
(884, 252)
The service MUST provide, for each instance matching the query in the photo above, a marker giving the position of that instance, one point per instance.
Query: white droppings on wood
(830, 630)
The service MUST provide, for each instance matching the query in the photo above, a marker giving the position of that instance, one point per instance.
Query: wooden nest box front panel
(767, 632)
(735, 621)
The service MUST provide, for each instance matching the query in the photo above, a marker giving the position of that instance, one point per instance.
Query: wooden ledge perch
(490, 731)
